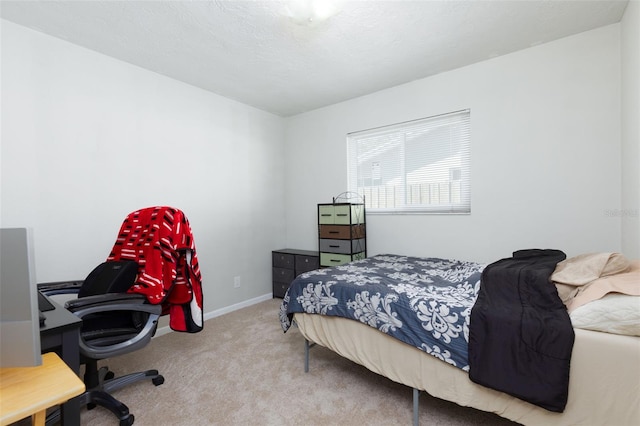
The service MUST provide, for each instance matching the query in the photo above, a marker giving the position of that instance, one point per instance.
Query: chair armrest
(116, 302)
(111, 302)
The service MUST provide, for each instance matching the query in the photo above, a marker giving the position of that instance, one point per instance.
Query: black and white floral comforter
(425, 302)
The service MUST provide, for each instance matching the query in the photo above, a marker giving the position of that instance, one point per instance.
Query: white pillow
(615, 313)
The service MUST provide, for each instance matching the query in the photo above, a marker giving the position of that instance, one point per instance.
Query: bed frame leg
(416, 396)
(306, 355)
(307, 345)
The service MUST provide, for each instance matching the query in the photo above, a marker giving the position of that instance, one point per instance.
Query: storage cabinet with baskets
(342, 233)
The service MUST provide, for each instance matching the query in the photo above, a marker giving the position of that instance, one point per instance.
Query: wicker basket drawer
(283, 260)
(283, 275)
(280, 289)
(341, 232)
(306, 263)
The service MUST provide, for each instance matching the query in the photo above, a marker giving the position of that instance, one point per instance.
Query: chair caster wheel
(128, 421)
(158, 380)
(110, 375)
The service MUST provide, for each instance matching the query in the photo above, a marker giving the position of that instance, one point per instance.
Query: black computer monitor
(19, 314)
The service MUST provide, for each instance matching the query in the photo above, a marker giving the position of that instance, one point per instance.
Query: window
(420, 166)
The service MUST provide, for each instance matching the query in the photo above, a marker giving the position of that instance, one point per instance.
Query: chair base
(92, 398)
(113, 384)
(101, 394)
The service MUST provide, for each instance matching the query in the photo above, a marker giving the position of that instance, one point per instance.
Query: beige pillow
(627, 282)
(585, 268)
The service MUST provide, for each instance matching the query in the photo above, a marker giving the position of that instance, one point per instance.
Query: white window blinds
(420, 166)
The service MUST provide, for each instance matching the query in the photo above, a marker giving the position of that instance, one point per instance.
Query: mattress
(604, 385)
(424, 302)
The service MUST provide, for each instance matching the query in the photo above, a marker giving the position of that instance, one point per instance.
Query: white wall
(86, 139)
(630, 211)
(545, 129)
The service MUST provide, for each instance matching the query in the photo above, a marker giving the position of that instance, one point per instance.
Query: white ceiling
(251, 52)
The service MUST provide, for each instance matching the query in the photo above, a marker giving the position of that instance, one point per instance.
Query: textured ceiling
(252, 52)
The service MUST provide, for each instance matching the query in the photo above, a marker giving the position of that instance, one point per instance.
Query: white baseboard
(166, 329)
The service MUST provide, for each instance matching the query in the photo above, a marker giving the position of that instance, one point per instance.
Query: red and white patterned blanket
(160, 240)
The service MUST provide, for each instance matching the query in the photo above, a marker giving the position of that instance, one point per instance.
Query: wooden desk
(29, 391)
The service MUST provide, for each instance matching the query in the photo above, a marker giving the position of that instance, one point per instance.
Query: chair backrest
(110, 277)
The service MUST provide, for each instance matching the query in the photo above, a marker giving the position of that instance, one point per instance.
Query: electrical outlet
(236, 282)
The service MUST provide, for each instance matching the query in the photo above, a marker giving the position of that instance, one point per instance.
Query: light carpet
(243, 370)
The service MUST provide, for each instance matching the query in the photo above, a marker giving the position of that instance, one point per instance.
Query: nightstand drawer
(283, 275)
(283, 260)
(306, 263)
(280, 289)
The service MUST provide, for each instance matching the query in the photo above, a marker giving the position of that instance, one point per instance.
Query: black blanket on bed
(520, 335)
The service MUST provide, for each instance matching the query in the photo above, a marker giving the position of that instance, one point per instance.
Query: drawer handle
(334, 232)
(335, 260)
(333, 246)
(325, 214)
(342, 214)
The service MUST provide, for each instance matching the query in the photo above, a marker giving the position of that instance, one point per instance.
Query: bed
(603, 383)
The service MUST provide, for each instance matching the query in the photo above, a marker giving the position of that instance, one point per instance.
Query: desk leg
(70, 411)
(38, 419)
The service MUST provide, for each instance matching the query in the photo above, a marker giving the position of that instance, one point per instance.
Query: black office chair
(113, 323)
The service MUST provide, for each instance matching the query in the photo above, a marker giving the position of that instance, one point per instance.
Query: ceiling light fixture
(311, 12)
